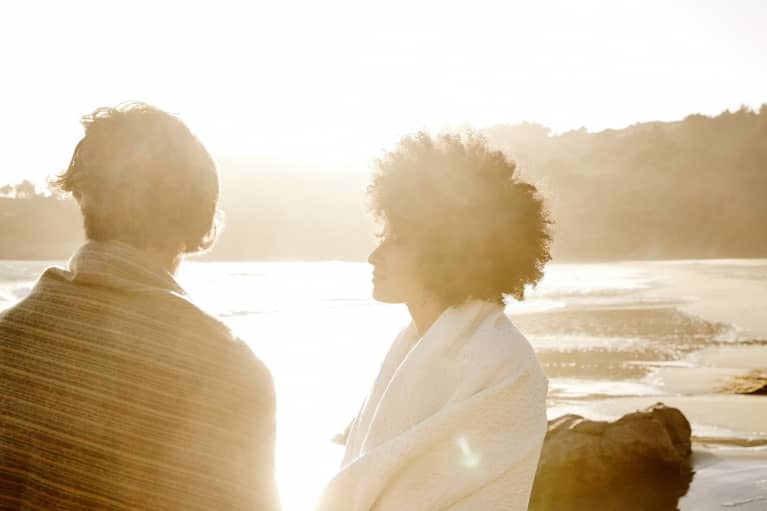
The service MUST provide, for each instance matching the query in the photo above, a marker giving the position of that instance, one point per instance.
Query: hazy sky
(332, 83)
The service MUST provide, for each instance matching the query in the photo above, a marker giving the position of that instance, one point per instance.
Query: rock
(638, 462)
(754, 383)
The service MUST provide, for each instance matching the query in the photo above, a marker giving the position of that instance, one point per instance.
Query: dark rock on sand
(638, 462)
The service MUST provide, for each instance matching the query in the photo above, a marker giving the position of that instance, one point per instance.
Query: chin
(380, 295)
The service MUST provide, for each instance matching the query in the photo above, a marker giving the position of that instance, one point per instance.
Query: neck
(169, 261)
(425, 313)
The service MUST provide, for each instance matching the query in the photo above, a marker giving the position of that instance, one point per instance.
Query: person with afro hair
(456, 417)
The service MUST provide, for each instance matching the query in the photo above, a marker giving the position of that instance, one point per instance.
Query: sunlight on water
(578, 387)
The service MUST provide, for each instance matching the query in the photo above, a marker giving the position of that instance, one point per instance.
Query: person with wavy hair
(456, 417)
(117, 392)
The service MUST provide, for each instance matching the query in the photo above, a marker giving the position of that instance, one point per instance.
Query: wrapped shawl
(117, 393)
(455, 421)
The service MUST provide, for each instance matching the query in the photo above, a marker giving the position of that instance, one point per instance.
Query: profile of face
(396, 278)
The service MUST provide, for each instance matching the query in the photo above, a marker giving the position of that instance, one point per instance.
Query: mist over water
(601, 331)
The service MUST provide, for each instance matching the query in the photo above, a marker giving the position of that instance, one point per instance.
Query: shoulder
(234, 376)
(230, 356)
(497, 337)
(252, 369)
(497, 347)
(245, 367)
(239, 375)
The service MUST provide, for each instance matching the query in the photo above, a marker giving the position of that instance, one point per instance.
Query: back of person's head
(141, 177)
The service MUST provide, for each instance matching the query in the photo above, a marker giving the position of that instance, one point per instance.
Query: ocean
(608, 335)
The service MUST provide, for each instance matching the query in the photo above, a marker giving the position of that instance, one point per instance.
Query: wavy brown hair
(141, 177)
(479, 230)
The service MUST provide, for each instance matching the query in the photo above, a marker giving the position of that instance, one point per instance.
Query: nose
(373, 258)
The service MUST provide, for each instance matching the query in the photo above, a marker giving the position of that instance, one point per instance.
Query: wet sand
(727, 478)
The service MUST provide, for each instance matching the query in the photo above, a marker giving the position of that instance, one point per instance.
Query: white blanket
(455, 421)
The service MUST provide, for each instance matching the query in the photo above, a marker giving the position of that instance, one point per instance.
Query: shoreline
(706, 291)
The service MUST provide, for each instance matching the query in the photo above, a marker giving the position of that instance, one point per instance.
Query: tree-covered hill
(695, 188)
